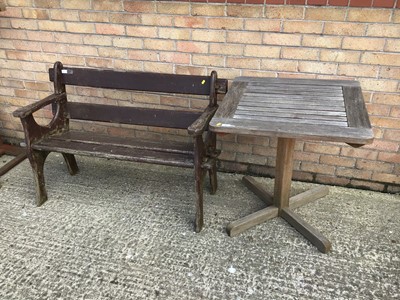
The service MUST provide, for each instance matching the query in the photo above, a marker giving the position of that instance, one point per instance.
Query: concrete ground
(120, 230)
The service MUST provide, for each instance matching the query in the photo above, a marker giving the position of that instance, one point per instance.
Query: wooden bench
(57, 136)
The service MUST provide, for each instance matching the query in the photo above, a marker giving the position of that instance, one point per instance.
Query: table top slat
(243, 109)
(292, 114)
(293, 106)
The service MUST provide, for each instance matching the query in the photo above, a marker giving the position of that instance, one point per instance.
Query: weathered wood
(283, 172)
(228, 108)
(41, 140)
(309, 232)
(357, 114)
(301, 131)
(236, 227)
(308, 196)
(298, 81)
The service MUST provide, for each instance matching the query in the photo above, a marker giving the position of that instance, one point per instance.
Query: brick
(386, 122)
(325, 14)
(47, 3)
(24, 24)
(340, 56)
(244, 37)
(93, 17)
(122, 42)
(194, 22)
(227, 73)
(392, 45)
(317, 67)
(243, 63)
(18, 55)
(141, 31)
(322, 148)
(389, 157)
(377, 166)
(80, 27)
(367, 185)
(302, 27)
(174, 33)
(70, 38)
(338, 161)
(120, 18)
(40, 36)
(358, 70)
(40, 14)
(210, 10)
(388, 99)
(26, 45)
(129, 65)
(99, 62)
(11, 34)
(383, 145)
(112, 52)
(111, 29)
(332, 180)
(159, 44)
(264, 151)
(339, 28)
(378, 109)
(284, 12)
(109, 5)
(155, 20)
(321, 41)
(174, 57)
(208, 60)
(193, 47)
(395, 112)
(97, 40)
(51, 25)
(360, 3)
(368, 15)
(383, 30)
(300, 53)
(251, 159)
(382, 177)
(37, 86)
(253, 140)
(282, 39)
(360, 43)
(60, 15)
(143, 55)
(227, 49)
(317, 168)
(263, 25)
(173, 8)
(353, 173)
(140, 6)
(76, 4)
(306, 156)
(208, 35)
(83, 50)
(378, 85)
(244, 11)
(55, 48)
(157, 67)
(255, 73)
(262, 51)
(279, 65)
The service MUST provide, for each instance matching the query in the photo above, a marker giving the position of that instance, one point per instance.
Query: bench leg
(71, 163)
(213, 178)
(37, 159)
(199, 201)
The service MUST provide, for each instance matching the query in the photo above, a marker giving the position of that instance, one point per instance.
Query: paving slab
(120, 230)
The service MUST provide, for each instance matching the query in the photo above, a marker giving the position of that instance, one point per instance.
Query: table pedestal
(281, 204)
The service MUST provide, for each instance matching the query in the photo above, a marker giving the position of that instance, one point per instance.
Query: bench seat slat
(124, 149)
(132, 115)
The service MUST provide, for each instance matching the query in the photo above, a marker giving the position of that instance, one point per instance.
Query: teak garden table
(290, 109)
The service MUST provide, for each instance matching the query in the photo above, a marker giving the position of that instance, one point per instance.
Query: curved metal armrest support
(25, 111)
(201, 124)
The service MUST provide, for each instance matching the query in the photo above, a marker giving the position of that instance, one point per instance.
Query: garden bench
(58, 137)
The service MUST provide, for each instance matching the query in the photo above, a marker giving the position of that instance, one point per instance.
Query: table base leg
(314, 236)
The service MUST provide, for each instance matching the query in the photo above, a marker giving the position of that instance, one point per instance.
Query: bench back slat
(131, 115)
(139, 81)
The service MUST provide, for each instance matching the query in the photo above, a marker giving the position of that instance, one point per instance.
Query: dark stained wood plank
(308, 196)
(142, 81)
(309, 232)
(115, 152)
(132, 115)
(134, 143)
(301, 131)
(355, 107)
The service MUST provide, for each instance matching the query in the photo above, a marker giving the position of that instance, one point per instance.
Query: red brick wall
(338, 40)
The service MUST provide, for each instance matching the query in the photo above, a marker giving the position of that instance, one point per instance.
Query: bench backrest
(135, 81)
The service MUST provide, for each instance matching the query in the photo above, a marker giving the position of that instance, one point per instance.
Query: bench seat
(130, 149)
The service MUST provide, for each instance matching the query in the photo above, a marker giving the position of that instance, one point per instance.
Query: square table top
(312, 109)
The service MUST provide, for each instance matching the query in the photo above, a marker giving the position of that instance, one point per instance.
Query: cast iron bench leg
(37, 159)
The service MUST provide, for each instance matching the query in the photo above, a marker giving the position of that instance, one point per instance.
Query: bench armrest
(31, 108)
(201, 124)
